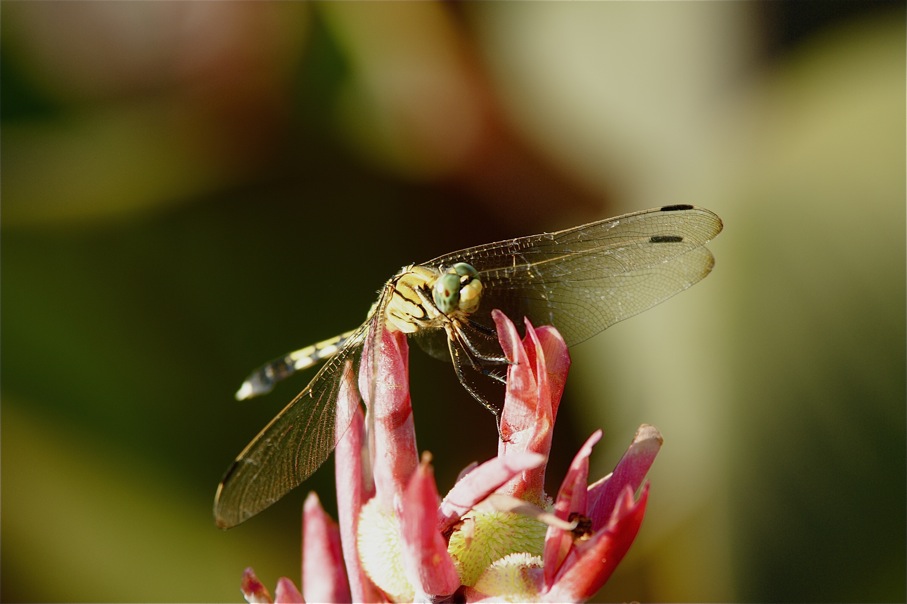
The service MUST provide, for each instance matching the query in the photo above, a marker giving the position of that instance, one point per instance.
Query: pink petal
(630, 471)
(571, 498)
(589, 564)
(354, 488)
(534, 387)
(429, 567)
(557, 362)
(521, 399)
(323, 576)
(286, 592)
(253, 590)
(396, 456)
(481, 481)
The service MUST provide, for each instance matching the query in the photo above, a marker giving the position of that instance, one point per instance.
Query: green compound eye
(463, 269)
(446, 292)
(458, 289)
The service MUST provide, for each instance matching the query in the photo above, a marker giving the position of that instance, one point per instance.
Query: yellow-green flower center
(494, 546)
(380, 552)
(509, 579)
(484, 537)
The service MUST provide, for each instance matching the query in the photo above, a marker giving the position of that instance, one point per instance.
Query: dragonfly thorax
(422, 297)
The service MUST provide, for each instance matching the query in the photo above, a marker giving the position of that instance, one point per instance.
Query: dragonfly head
(458, 289)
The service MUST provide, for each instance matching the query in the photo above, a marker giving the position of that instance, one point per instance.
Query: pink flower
(496, 535)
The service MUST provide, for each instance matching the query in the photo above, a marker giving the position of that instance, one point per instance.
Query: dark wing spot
(680, 207)
(665, 239)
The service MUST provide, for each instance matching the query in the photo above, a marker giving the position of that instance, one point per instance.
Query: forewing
(584, 279)
(291, 447)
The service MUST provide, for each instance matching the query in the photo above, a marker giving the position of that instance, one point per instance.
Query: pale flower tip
(253, 590)
(311, 505)
(650, 434)
(635, 463)
(286, 592)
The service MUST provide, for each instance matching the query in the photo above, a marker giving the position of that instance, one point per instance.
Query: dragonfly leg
(462, 359)
(460, 355)
(471, 332)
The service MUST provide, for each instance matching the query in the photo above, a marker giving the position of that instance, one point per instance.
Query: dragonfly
(581, 280)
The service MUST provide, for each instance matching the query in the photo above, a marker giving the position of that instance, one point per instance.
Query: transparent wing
(291, 447)
(584, 279)
(434, 342)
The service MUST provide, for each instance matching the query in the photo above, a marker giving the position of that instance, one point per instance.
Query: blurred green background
(190, 189)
